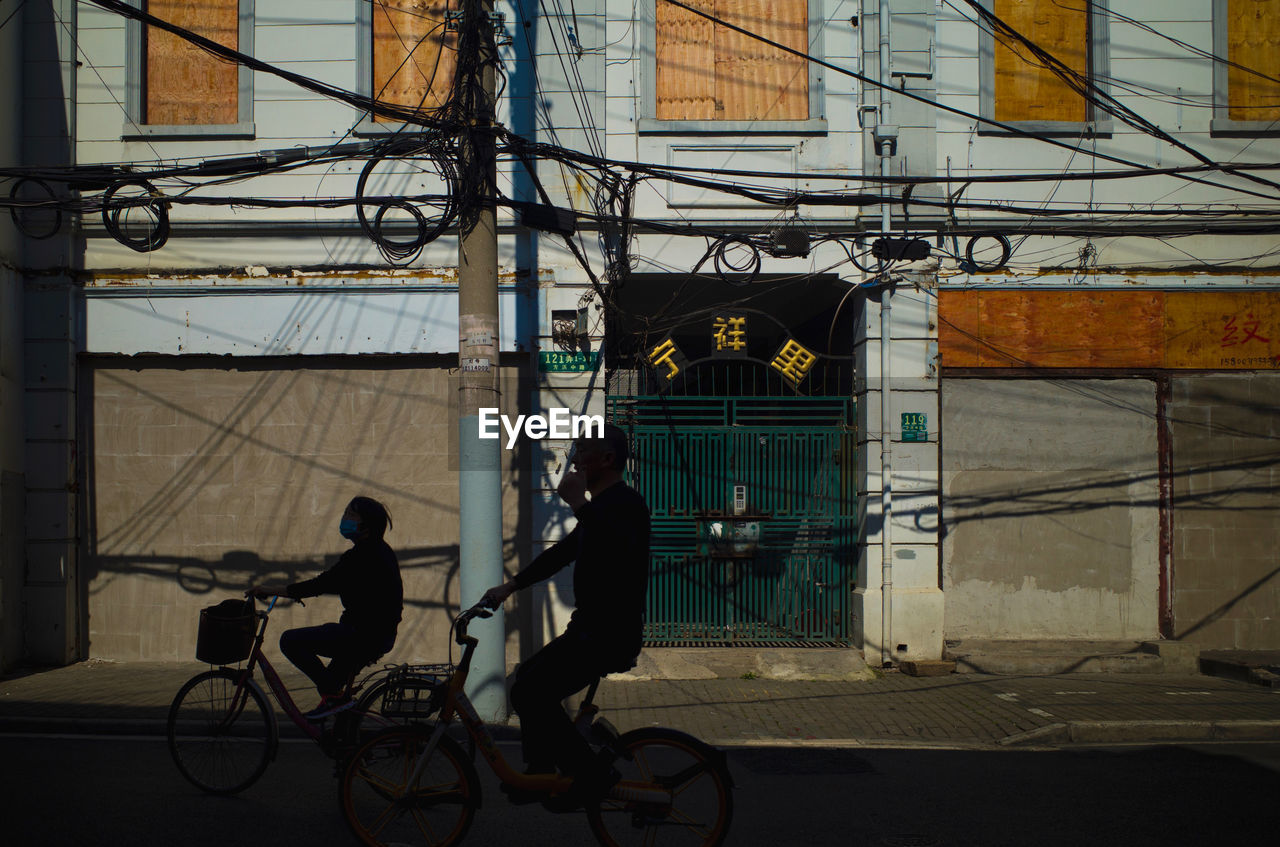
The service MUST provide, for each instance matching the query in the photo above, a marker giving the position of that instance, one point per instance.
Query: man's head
(602, 459)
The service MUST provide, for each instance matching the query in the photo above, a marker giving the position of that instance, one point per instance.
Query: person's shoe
(329, 705)
(523, 796)
(585, 792)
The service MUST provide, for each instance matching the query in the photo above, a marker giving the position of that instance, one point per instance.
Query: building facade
(922, 328)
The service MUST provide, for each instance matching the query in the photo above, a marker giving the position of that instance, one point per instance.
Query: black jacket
(610, 545)
(367, 577)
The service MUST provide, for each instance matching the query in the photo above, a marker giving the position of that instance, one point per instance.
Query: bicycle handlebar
(460, 623)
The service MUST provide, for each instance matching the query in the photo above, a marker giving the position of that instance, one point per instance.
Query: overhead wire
(1008, 127)
(606, 195)
(1084, 85)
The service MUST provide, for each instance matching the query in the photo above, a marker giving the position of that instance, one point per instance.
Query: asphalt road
(89, 790)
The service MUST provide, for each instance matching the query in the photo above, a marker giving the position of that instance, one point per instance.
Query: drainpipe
(886, 145)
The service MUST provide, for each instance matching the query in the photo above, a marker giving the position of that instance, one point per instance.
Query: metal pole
(479, 460)
(885, 152)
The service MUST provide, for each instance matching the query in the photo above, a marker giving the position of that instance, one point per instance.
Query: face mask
(349, 528)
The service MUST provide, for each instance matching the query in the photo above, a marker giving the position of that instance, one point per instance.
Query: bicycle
(411, 784)
(222, 735)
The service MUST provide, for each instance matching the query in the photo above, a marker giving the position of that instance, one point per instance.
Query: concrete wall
(1226, 519)
(915, 628)
(13, 486)
(1050, 508)
(205, 478)
(12, 483)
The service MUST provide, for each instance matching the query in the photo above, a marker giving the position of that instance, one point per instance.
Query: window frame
(368, 127)
(648, 124)
(1221, 124)
(135, 62)
(1096, 123)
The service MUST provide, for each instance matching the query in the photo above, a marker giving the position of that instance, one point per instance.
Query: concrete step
(1261, 667)
(1040, 657)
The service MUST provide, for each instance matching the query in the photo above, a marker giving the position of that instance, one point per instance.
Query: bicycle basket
(226, 632)
(415, 691)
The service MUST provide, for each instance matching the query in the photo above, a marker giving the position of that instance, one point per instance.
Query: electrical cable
(1084, 85)
(153, 205)
(18, 222)
(427, 229)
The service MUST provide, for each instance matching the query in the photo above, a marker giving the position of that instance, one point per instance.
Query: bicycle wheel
(221, 737)
(701, 804)
(391, 794)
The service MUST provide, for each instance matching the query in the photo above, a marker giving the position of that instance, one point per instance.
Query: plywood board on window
(1253, 44)
(706, 71)
(1026, 90)
(1006, 329)
(184, 84)
(686, 63)
(414, 57)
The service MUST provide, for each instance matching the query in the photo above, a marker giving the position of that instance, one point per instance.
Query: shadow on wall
(238, 569)
(184, 460)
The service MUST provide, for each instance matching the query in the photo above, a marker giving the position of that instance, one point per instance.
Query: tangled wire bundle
(411, 159)
(115, 215)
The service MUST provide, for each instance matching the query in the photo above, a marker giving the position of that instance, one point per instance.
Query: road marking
(1041, 712)
(1008, 696)
(1075, 692)
(1189, 693)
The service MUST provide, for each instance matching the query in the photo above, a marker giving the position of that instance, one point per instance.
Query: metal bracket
(929, 74)
(453, 19)
(885, 135)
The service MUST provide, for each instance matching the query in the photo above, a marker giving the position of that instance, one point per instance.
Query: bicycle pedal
(522, 796)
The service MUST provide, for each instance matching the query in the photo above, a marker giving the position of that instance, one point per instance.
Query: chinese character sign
(793, 361)
(1240, 331)
(1237, 330)
(729, 332)
(667, 360)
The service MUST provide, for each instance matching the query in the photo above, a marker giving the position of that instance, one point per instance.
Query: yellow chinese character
(793, 361)
(730, 333)
(663, 354)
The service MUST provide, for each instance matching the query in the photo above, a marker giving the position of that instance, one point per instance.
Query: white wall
(1165, 83)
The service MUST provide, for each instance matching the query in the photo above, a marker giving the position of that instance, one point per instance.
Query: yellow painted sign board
(1226, 330)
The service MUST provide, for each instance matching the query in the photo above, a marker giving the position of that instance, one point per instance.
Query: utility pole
(479, 461)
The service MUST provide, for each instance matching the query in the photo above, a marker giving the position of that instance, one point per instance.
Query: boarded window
(1026, 90)
(1253, 42)
(184, 85)
(708, 72)
(414, 57)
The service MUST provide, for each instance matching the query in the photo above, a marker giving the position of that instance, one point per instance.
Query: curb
(85, 726)
(1051, 735)
(1146, 732)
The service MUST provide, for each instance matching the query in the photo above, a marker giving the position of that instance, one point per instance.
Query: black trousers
(346, 650)
(565, 666)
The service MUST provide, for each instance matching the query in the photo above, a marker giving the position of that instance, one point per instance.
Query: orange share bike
(415, 784)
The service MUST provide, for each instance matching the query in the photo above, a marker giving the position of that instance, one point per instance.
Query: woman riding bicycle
(367, 577)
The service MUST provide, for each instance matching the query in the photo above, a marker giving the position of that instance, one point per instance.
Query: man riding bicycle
(610, 546)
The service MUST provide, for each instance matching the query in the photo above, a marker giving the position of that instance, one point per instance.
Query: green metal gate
(754, 505)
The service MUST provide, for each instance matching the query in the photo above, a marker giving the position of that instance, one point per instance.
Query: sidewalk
(966, 710)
